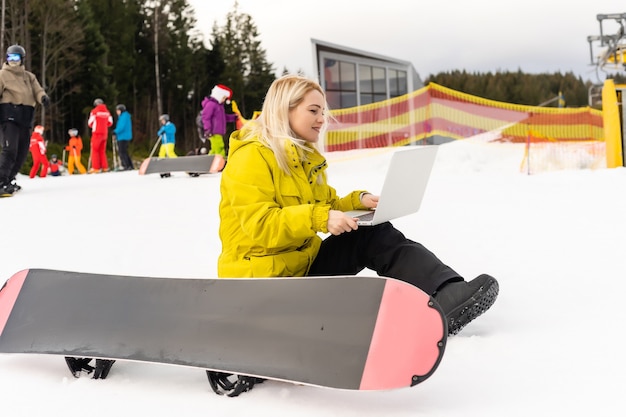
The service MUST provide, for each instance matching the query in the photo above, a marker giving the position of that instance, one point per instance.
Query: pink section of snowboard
(218, 164)
(406, 339)
(8, 295)
(144, 166)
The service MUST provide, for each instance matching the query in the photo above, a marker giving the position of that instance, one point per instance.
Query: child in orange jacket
(38, 151)
(74, 149)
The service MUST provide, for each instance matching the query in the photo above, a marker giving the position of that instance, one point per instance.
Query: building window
(372, 84)
(350, 84)
(340, 83)
(398, 85)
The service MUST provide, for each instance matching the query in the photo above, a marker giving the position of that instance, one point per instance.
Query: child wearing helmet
(56, 166)
(38, 151)
(167, 133)
(74, 148)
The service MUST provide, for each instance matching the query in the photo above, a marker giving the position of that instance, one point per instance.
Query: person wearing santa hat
(214, 118)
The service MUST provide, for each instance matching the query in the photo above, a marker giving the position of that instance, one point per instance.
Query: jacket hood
(100, 107)
(18, 69)
(236, 142)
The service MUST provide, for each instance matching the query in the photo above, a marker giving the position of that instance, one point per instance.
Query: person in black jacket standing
(19, 93)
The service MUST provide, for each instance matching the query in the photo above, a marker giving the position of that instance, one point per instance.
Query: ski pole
(76, 159)
(118, 159)
(90, 153)
(114, 146)
(155, 147)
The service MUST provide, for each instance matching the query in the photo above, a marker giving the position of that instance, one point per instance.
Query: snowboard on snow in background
(347, 332)
(200, 164)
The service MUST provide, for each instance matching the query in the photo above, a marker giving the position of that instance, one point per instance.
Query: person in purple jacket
(214, 118)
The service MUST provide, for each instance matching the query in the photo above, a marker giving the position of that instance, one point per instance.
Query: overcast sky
(535, 36)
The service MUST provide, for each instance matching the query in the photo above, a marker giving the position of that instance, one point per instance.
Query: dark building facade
(353, 78)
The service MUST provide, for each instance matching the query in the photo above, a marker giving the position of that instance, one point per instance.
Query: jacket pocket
(288, 193)
(289, 264)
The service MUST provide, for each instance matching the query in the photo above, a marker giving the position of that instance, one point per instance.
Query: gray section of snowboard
(313, 330)
(193, 163)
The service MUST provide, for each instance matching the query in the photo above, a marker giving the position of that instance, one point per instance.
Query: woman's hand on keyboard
(369, 200)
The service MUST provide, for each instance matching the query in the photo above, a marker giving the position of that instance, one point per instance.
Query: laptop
(404, 186)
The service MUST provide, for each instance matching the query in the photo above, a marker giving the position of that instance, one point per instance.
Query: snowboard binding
(78, 365)
(231, 385)
(197, 151)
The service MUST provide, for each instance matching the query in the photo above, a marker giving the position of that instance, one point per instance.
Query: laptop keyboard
(367, 216)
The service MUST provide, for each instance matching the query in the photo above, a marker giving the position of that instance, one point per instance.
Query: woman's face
(306, 120)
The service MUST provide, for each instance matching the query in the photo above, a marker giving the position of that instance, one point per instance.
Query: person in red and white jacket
(38, 151)
(100, 120)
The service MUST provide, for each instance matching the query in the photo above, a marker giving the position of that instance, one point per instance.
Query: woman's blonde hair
(272, 126)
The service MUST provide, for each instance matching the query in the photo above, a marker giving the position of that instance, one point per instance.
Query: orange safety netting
(436, 114)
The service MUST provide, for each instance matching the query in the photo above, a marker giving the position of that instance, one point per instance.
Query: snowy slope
(550, 346)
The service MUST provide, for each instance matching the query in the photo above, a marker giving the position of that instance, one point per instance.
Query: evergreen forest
(147, 55)
(521, 88)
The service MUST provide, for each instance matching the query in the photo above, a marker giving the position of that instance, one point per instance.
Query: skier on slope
(124, 133)
(56, 166)
(167, 133)
(99, 121)
(19, 93)
(74, 148)
(38, 151)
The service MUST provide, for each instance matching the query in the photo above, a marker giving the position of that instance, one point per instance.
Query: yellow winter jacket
(269, 220)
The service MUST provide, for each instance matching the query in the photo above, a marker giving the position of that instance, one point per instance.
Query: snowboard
(346, 332)
(200, 164)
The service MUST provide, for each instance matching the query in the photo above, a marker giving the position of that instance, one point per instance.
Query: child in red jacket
(56, 166)
(38, 151)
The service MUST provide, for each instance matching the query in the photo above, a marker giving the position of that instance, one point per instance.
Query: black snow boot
(15, 186)
(463, 301)
(6, 190)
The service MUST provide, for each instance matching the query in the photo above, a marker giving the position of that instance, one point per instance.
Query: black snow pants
(15, 140)
(387, 251)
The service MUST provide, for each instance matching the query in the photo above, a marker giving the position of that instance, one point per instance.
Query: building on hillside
(352, 77)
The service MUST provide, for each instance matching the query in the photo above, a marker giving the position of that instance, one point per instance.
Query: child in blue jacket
(167, 133)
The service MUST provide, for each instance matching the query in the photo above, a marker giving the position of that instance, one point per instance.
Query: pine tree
(94, 77)
(55, 56)
(247, 70)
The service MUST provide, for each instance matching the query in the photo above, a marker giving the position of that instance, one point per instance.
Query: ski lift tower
(613, 47)
(611, 56)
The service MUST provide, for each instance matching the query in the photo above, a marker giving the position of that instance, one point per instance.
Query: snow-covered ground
(550, 346)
